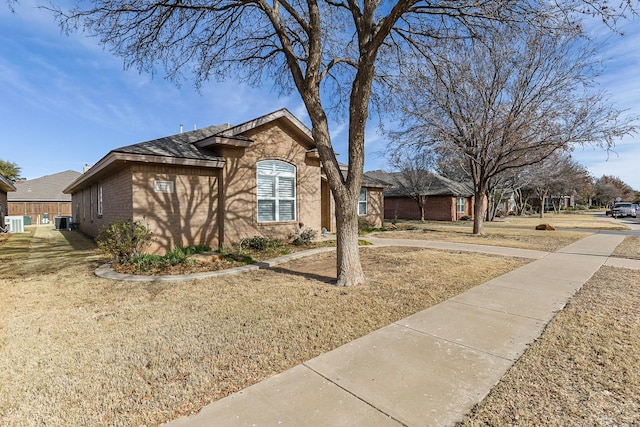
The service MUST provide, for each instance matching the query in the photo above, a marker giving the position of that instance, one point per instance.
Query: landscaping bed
(193, 260)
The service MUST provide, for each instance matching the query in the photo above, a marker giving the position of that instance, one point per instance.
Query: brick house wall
(116, 202)
(375, 207)
(272, 141)
(437, 208)
(4, 208)
(183, 214)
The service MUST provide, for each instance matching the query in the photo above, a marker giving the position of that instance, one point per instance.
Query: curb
(106, 272)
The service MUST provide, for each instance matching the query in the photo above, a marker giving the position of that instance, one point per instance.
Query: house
(215, 185)
(446, 200)
(42, 199)
(6, 186)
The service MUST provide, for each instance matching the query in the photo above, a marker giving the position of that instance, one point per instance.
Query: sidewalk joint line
(456, 343)
(355, 395)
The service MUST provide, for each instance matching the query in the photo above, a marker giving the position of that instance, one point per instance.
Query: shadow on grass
(307, 275)
(43, 251)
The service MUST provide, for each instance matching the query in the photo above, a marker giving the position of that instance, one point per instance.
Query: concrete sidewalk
(428, 369)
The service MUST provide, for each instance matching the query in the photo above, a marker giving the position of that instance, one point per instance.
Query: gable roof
(233, 135)
(6, 185)
(192, 148)
(438, 186)
(46, 188)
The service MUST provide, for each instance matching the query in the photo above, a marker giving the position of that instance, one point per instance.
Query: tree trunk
(478, 213)
(542, 207)
(348, 255)
(421, 203)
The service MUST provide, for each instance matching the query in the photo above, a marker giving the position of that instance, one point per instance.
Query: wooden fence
(37, 210)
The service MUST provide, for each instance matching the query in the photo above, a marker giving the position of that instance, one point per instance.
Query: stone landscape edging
(105, 271)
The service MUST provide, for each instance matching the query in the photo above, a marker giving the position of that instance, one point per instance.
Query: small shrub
(124, 240)
(146, 262)
(364, 225)
(465, 218)
(303, 236)
(259, 243)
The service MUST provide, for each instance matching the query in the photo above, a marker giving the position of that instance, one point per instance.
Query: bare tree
(414, 177)
(554, 178)
(609, 188)
(506, 100)
(334, 53)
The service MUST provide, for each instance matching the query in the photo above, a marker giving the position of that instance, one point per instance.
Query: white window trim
(276, 198)
(464, 203)
(364, 202)
(91, 202)
(99, 199)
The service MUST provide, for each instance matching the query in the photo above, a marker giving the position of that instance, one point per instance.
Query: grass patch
(583, 370)
(511, 238)
(76, 349)
(629, 248)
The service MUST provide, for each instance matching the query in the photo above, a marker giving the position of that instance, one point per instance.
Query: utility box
(14, 223)
(63, 222)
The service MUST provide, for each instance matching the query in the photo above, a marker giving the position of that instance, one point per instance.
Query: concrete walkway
(428, 369)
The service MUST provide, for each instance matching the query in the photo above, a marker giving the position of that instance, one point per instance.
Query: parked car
(623, 209)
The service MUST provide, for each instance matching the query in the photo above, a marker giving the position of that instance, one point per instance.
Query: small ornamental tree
(124, 240)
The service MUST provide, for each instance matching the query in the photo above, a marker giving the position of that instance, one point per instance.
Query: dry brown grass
(512, 232)
(629, 248)
(583, 371)
(511, 238)
(79, 350)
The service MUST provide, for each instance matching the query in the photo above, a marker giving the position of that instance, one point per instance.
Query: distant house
(446, 200)
(215, 185)
(42, 199)
(6, 186)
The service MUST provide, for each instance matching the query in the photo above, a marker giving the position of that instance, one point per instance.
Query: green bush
(259, 243)
(124, 240)
(145, 262)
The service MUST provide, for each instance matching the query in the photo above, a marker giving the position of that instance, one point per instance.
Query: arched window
(276, 191)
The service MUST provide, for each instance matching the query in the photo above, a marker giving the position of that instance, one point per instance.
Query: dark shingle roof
(180, 145)
(46, 188)
(439, 185)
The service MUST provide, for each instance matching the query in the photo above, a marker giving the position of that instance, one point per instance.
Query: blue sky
(66, 102)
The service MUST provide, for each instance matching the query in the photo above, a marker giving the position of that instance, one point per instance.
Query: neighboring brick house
(214, 185)
(447, 200)
(6, 186)
(42, 198)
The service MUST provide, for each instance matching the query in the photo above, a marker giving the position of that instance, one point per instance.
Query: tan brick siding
(375, 207)
(271, 142)
(188, 216)
(116, 202)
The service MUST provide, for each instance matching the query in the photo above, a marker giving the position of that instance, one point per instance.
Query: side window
(276, 187)
(460, 205)
(362, 202)
(91, 202)
(99, 199)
